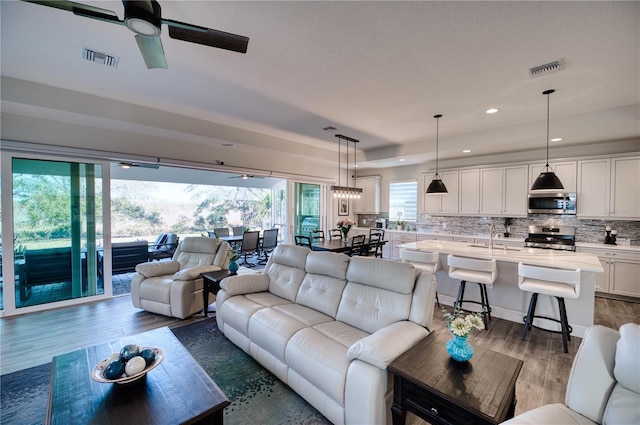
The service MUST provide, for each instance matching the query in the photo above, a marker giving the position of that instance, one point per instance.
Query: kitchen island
(506, 299)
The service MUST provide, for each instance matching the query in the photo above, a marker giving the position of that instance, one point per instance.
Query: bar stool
(482, 272)
(554, 282)
(422, 260)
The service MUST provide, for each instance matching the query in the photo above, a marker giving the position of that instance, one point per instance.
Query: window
(403, 200)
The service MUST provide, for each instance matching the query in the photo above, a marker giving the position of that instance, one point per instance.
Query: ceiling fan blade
(152, 51)
(145, 4)
(207, 36)
(81, 10)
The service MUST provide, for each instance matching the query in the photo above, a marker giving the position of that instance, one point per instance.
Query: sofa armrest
(385, 345)
(193, 273)
(158, 269)
(245, 284)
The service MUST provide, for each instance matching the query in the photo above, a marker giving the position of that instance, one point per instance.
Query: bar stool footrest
(569, 328)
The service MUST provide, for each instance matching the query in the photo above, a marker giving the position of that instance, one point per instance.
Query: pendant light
(437, 187)
(547, 180)
(346, 191)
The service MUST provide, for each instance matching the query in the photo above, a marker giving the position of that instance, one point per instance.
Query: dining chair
(317, 235)
(303, 241)
(269, 243)
(374, 247)
(357, 245)
(220, 231)
(249, 247)
(335, 234)
(376, 231)
(237, 230)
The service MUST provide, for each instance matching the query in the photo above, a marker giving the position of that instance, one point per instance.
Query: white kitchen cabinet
(369, 202)
(514, 199)
(469, 191)
(503, 191)
(625, 188)
(397, 239)
(593, 188)
(621, 271)
(491, 191)
(566, 172)
(609, 188)
(446, 203)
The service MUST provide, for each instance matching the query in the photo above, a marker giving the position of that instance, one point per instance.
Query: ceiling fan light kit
(346, 191)
(144, 18)
(547, 180)
(437, 187)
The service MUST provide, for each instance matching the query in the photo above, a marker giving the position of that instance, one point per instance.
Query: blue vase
(233, 266)
(459, 349)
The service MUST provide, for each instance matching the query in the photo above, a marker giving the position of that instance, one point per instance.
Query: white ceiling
(377, 71)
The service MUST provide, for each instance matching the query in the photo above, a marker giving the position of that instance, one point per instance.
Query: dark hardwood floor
(33, 339)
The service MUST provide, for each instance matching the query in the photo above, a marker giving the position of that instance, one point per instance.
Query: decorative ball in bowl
(130, 364)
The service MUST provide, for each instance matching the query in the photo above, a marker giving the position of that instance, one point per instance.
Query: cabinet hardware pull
(434, 411)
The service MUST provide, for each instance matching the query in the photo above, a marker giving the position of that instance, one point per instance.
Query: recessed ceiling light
(491, 111)
(466, 151)
(556, 139)
(402, 160)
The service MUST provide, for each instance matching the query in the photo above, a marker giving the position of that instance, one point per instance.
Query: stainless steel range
(562, 238)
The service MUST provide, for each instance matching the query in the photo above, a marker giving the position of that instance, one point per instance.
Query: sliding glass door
(57, 221)
(309, 208)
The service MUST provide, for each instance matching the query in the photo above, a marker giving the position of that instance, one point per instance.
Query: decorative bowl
(98, 370)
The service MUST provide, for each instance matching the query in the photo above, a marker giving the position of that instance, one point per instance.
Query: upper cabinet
(469, 192)
(499, 191)
(446, 203)
(609, 188)
(566, 172)
(369, 202)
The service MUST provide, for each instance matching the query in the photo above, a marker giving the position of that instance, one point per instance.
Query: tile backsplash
(586, 230)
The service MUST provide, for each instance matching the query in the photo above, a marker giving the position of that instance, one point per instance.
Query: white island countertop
(532, 256)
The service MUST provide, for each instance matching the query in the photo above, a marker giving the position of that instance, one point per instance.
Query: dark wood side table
(440, 390)
(211, 285)
(178, 391)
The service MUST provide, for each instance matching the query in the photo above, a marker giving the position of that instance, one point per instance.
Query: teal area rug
(257, 396)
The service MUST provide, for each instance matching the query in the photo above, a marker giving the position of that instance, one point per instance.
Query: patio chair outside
(250, 242)
(220, 231)
(269, 243)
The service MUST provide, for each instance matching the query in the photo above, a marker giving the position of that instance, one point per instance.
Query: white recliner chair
(174, 288)
(604, 384)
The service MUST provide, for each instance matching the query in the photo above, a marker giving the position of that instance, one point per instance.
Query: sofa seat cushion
(305, 315)
(266, 299)
(156, 289)
(320, 360)
(237, 312)
(550, 414)
(623, 407)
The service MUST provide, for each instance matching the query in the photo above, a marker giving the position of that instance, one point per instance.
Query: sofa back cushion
(197, 251)
(322, 287)
(378, 293)
(286, 270)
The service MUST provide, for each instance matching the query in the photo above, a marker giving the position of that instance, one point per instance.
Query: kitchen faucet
(492, 233)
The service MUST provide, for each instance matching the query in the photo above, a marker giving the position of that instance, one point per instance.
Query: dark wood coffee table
(178, 391)
(211, 285)
(430, 384)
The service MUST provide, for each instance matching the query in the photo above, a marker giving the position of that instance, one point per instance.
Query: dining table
(337, 245)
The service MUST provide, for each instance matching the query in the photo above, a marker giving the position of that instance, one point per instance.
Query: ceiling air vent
(545, 69)
(99, 57)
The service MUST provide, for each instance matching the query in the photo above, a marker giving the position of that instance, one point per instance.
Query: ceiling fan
(246, 177)
(144, 18)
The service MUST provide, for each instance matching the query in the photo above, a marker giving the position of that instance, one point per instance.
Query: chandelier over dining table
(347, 191)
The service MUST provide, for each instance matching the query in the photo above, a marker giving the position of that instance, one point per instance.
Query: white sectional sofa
(328, 325)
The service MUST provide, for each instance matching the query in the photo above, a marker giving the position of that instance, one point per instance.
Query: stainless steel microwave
(552, 203)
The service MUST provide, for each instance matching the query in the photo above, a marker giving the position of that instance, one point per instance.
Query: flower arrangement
(461, 325)
(345, 223)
